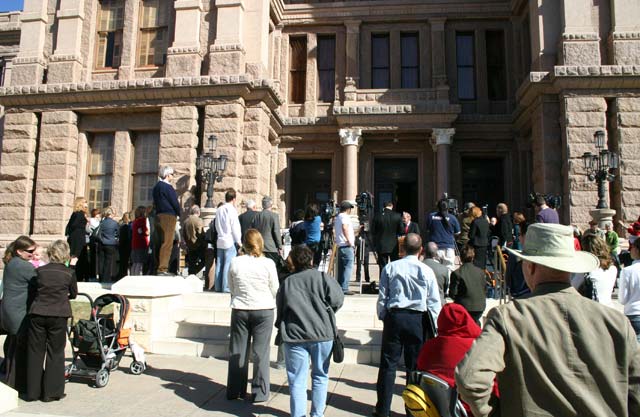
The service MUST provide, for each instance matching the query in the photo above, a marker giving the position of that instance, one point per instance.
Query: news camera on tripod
(328, 212)
(364, 202)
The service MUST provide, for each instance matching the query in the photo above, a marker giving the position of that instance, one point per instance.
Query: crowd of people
(540, 354)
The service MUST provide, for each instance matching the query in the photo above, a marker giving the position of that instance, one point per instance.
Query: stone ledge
(29, 60)
(63, 58)
(183, 50)
(596, 70)
(397, 109)
(231, 47)
(580, 37)
(626, 35)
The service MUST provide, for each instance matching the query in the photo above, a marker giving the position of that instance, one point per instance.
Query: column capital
(437, 23)
(350, 137)
(443, 136)
(353, 26)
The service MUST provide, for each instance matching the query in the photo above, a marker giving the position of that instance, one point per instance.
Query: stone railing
(391, 96)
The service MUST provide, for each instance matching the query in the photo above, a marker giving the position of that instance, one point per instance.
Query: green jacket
(555, 353)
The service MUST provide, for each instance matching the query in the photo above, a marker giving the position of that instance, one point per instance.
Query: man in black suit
(385, 228)
(408, 226)
(246, 218)
(432, 260)
(268, 224)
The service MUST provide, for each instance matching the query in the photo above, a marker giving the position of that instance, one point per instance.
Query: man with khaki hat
(555, 353)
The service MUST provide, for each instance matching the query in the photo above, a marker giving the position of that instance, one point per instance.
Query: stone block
(585, 104)
(63, 131)
(20, 119)
(250, 171)
(21, 132)
(14, 173)
(628, 135)
(27, 74)
(17, 145)
(63, 72)
(172, 155)
(53, 199)
(180, 113)
(15, 187)
(253, 142)
(67, 144)
(628, 104)
(217, 126)
(183, 65)
(180, 126)
(256, 114)
(59, 158)
(229, 140)
(586, 119)
(626, 52)
(180, 140)
(629, 119)
(581, 53)
(227, 110)
(19, 159)
(580, 135)
(58, 213)
(250, 157)
(59, 117)
(50, 227)
(14, 213)
(249, 186)
(226, 63)
(255, 129)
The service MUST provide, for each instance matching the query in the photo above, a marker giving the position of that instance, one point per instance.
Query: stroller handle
(87, 296)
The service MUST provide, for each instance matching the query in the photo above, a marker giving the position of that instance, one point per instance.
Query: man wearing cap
(345, 241)
(268, 224)
(555, 353)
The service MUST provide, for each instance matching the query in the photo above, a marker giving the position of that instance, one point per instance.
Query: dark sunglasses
(31, 250)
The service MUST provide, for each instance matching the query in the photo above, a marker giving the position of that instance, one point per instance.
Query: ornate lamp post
(600, 166)
(211, 168)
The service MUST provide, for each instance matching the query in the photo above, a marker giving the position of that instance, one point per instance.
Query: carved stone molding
(65, 58)
(230, 47)
(184, 50)
(580, 37)
(29, 60)
(443, 136)
(350, 137)
(626, 35)
(596, 70)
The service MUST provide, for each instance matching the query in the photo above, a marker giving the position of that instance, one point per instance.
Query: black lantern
(211, 168)
(600, 166)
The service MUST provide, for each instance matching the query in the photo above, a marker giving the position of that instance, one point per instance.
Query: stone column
(227, 54)
(443, 139)
(628, 116)
(56, 182)
(226, 121)
(350, 139)
(545, 32)
(129, 40)
(625, 32)
(183, 57)
(311, 98)
(178, 145)
(546, 146)
(256, 153)
(353, 50)
(276, 58)
(65, 65)
(29, 65)
(17, 172)
(274, 171)
(583, 116)
(438, 52)
(580, 41)
(256, 38)
(122, 154)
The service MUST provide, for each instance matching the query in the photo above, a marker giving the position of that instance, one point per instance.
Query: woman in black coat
(19, 276)
(479, 237)
(76, 232)
(55, 285)
(108, 237)
(469, 285)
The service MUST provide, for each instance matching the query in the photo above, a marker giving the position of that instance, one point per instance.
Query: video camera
(452, 204)
(328, 211)
(364, 201)
(553, 200)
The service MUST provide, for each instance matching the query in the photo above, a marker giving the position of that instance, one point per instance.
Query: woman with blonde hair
(76, 232)
(603, 279)
(55, 285)
(253, 284)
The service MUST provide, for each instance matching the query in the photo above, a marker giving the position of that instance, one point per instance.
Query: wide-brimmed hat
(551, 245)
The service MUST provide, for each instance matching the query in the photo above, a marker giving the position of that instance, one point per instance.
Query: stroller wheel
(137, 367)
(102, 378)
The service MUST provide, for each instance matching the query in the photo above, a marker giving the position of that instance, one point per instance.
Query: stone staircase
(201, 328)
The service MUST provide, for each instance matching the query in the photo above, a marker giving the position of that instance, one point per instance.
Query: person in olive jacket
(55, 285)
(468, 285)
(19, 275)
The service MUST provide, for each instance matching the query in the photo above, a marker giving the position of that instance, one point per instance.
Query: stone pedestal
(207, 215)
(226, 59)
(625, 33)
(350, 139)
(227, 54)
(602, 216)
(580, 42)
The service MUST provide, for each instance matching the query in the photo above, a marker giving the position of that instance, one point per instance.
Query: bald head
(432, 249)
(413, 244)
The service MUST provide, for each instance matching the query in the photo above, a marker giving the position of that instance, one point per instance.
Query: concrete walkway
(175, 386)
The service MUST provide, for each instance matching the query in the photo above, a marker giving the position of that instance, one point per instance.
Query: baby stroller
(100, 342)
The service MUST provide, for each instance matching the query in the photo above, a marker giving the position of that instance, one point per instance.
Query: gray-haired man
(165, 201)
(268, 224)
(246, 218)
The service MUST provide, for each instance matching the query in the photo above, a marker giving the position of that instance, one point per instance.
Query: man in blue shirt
(165, 201)
(408, 291)
(441, 227)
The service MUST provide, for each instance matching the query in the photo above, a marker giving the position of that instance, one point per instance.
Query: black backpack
(85, 336)
(588, 288)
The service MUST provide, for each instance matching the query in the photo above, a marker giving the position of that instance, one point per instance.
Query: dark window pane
(108, 58)
(496, 70)
(410, 78)
(297, 69)
(466, 84)
(409, 49)
(380, 51)
(326, 68)
(464, 49)
(380, 78)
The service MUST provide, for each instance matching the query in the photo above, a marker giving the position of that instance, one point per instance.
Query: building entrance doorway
(482, 182)
(310, 183)
(396, 179)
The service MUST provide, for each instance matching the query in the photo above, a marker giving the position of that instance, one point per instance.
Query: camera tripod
(363, 248)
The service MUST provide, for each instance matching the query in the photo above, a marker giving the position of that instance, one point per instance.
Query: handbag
(337, 352)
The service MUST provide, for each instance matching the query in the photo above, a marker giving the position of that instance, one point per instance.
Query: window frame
(146, 30)
(151, 171)
(298, 97)
(416, 67)
(374, 68)
(330, 70)
(118, 34)
(494, 68)
(109, 138)
(472, 35)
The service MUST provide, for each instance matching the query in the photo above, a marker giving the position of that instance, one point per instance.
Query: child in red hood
(456, 333)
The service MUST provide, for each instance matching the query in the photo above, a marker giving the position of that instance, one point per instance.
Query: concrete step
(221, 300)
(368, 354)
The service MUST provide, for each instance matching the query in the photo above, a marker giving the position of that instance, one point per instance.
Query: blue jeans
(345, 266)
(635, 323)
(223, 262)
(296, 356)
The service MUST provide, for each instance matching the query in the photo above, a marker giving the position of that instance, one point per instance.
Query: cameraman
(385, 228)
(544, 213)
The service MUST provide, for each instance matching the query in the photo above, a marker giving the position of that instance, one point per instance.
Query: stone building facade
(316, 100)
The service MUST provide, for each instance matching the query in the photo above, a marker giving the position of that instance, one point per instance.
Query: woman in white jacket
(253, 284)
(604, 278)
(630, 288)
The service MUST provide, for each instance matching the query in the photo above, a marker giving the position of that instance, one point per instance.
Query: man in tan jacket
(193, 235)
(555, 353)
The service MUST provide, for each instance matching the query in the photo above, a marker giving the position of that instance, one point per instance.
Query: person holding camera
(544, 213)
(441, 227)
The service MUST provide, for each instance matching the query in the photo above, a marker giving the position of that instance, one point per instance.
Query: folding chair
(444, 397)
